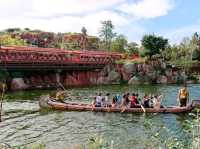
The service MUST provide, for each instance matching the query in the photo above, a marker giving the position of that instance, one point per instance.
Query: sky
(172, 19)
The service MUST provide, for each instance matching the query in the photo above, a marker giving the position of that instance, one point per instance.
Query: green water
(25, 124)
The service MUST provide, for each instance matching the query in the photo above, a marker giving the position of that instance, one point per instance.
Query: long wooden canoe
(46, 102)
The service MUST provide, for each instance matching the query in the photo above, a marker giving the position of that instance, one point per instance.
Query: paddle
(123, 109)
(2, 97)
(144, 110)
(62, 86)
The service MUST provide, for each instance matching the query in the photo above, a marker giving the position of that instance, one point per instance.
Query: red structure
(33, 57)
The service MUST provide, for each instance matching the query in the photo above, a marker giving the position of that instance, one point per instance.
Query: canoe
(47, 102)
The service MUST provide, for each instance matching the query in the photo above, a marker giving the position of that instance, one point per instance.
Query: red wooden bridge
(33, 58)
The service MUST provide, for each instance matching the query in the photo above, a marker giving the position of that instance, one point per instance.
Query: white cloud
(52, 7)
(71, 15)
(176, 35)
(147, 8)
(13, 8)
(67, 23)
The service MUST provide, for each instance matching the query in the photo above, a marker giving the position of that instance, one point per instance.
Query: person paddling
(146, 101)
(125, 102)
(60, 96)
(98, 100)
(183, 96)
(106, 98)
(157, 102)
(133, 101)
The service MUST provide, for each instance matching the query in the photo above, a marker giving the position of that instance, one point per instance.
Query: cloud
(71, 15)
(147, 8)
(177, 35)
(66, 23)
(71, 7)
(13, 8)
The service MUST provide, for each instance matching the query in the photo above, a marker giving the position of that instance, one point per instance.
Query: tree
(132, 48)
(106, 33)
(6, 40)
(153, 44)
(195, 47)
(119, 44)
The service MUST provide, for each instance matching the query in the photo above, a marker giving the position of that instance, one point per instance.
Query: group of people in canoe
(127, 101)
(132, 100)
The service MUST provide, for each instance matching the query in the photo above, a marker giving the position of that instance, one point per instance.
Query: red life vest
(133, 101)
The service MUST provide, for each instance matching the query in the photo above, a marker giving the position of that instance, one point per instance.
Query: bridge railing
(55, 56)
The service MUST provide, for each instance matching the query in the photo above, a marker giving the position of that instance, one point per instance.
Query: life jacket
(183, 93)
(133, 101)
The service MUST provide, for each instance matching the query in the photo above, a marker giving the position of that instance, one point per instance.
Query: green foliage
(3, 74)
(132, 48)
(195, 46)
(185, 53)
(153, 44)
(6, 40)
(119, 44)
(97, 143)
(106, 33)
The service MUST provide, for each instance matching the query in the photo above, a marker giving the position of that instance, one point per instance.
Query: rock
(18, 84)
(163, 65)
(134, 81)
(125, 76)
(113, 76)
(147, 79)
(130, 68)
(152, 76)
(162, 80)
(101, 80)
(168, 73)
(181, 77)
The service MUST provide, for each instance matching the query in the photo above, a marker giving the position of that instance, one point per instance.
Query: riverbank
(138, 71)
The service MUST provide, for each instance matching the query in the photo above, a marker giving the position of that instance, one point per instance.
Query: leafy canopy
(153, 44)
(106, 33)
(119, 44)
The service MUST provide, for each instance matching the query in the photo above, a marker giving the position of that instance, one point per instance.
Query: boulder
(101, 80)
(18, 84)
(162, 80)
(125, 76)
(113, 76)
(130, 68)
(168, 73)
(134, 81)
(152, 76)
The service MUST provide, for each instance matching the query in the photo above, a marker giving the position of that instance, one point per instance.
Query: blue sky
(173, 19)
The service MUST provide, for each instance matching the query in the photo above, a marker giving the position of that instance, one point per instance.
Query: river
(24, 124)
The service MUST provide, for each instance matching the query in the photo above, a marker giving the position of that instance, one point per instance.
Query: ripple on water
(25, 124)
